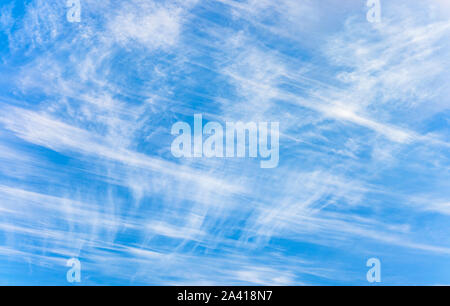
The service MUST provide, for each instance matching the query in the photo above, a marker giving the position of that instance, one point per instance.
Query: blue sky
(86, 171)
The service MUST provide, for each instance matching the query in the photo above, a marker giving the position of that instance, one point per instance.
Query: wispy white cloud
(84, 140)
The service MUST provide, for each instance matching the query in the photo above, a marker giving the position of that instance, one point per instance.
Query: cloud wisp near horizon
(86, 169)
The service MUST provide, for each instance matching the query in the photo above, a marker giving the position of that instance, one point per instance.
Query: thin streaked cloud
(86, 169)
